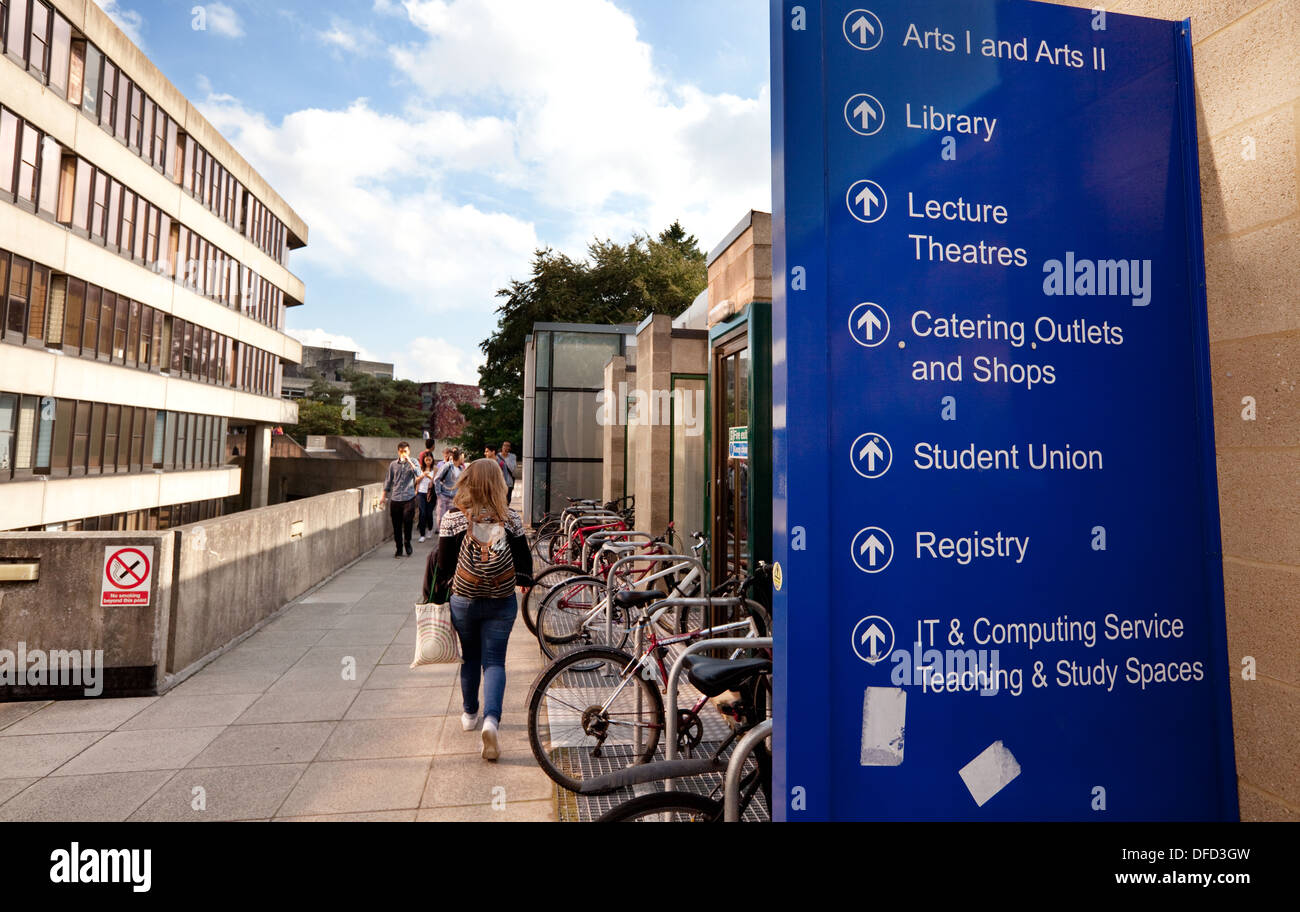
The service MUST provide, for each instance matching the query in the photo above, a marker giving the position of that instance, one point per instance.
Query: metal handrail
(670, 749)
(731, 787)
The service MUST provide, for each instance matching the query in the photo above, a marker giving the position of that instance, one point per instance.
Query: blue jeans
(484, 627)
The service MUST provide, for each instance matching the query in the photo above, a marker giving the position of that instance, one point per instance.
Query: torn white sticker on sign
(990, 772)
(884, 718)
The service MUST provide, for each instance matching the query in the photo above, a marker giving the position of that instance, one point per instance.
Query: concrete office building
(330, 365)
(143, 286)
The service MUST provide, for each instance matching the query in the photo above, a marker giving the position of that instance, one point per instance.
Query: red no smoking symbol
(127, 568)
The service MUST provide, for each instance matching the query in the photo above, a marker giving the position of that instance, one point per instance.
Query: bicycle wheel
(542, 541)
(543, 583)
(585, 717)
(572, 616)
(665, 807)
(557, 549)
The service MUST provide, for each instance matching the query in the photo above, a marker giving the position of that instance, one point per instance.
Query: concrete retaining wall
(211, 583)
(236, 571)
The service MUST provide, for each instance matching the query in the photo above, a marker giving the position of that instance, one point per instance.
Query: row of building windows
(44, 42)
(153, 520)
(55, 311)
(61, 438)
(38, 173)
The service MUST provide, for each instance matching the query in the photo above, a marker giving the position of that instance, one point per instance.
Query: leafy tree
(316, 418)
(617, 283)
(394, 405)
(385, 408)
(323, 391)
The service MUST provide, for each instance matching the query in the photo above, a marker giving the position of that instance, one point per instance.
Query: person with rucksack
(482, 555)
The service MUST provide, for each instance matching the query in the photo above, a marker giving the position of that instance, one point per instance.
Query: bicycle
(751, 677)
(573, 614)
(602, 705)
(561, 574)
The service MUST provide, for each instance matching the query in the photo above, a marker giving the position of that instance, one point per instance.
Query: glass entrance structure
(564, 369)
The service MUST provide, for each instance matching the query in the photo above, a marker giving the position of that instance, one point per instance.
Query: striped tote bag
(436, 642)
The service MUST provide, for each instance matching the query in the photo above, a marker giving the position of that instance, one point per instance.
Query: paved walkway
(273, 731)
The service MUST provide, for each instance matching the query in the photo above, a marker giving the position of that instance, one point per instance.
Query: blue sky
(432, 145)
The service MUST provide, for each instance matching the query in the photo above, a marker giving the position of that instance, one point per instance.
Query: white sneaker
(421, 539)
(468, 722)
(491, 750)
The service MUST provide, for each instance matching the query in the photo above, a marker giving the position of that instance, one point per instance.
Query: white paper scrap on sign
(990, 772)
(884, 719)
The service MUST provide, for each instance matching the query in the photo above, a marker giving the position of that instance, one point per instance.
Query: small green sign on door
(738, 443)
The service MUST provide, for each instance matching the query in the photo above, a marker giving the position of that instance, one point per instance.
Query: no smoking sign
(127, 576)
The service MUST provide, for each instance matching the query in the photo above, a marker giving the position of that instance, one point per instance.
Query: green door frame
(672, 445)
(756, 320)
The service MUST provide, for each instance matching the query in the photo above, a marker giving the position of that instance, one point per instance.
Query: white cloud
(373, 189)
(223, 20)
(322, 338)
(129, 21)
(427, 360)
(422, 359)
(346, 36)
(599, 131)
(436, 208)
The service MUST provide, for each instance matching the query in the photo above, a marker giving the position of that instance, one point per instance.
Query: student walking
(424, 493)
(509, 466)
(482, 555)
(399, 491)
(444, 483)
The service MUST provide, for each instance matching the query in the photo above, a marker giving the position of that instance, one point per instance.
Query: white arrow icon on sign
(876, 634)
(864, 114)
(867, 201)
(869, 325)
(873, 549)
(871, 456)
(863, 30)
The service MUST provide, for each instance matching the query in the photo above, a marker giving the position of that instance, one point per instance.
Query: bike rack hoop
(645, 558)
(670, 749)
(731, 788)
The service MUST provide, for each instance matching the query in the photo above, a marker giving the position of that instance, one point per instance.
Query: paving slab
(190, 711)
(228, 793)
(102, 714)
(104, 797)
(388, 677)
(348, 786)
(511, 812)
(13, 712)
(217, 682)
(38, 755)
(129, 751)
(298, 706)
(466, 779)
(273, 742)
(401, 702)
(369, 817)
(373, 739)
(11, 787)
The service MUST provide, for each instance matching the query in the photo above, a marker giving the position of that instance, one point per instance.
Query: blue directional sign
(1007, 603)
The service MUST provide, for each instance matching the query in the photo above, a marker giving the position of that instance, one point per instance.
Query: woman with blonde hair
(482, 555)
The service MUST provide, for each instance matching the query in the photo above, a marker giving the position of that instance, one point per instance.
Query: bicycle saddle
(714, 676)
(635, 598)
